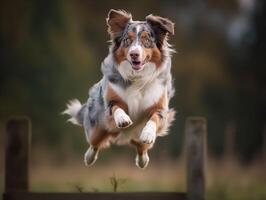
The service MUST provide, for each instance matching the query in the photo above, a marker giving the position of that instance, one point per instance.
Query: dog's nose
(134, 54)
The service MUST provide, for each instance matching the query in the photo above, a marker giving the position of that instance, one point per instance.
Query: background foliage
(52, 51)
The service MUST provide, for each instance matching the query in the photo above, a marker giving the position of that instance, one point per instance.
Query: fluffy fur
(130, 104)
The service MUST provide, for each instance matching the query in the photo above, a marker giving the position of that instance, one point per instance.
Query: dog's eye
(147, 42)
(127, 42)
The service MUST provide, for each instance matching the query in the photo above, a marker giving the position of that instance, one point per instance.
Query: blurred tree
(248, 70)
(51, 51)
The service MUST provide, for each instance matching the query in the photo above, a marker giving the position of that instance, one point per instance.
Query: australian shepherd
(130, 104)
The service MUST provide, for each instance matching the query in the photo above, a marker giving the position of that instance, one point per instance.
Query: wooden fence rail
(17, 151)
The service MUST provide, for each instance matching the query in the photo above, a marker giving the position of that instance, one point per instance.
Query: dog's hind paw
(91, 156)
(142, 161)
(148, 134)
(122, 120)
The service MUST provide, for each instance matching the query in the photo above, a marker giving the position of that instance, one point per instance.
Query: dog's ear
(117, 21)
(161, 27)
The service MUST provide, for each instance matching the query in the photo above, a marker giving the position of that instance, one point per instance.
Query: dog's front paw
(148, 134)
(122, 120)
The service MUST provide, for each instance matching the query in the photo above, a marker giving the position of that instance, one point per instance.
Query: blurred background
(51, 51)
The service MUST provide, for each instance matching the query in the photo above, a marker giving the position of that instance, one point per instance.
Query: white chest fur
(139, 98)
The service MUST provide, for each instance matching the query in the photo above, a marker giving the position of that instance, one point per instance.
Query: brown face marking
(153, 55)
(151, 52)
(120, 54)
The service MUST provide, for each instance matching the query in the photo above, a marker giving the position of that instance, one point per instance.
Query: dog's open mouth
(136, 65)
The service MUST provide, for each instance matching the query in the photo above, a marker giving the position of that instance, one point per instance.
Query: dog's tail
(76, 111)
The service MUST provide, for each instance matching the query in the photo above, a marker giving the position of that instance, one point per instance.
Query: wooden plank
(196, 131)
(95, 196)
(17, 154)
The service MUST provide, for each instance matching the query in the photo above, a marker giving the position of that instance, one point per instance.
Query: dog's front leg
(117, 109)
(156, 120)
(149, 132)
(147, 138)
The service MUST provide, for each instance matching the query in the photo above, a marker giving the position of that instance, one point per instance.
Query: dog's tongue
(136, 65)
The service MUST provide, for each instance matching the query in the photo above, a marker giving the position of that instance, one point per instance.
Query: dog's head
(136, 43)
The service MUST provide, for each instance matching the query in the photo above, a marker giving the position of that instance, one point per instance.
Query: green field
(225, 179)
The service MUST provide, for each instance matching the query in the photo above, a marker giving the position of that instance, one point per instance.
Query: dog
(130, 104)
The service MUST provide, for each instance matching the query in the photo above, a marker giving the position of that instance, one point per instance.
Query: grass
(228, 191)
(226, 179)
(114, 175)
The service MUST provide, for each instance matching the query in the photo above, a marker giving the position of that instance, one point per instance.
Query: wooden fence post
(18, 136)
(196, 132)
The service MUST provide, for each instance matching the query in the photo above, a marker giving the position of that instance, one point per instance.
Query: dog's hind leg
(142, 158)
(98, 139)
(91, 156)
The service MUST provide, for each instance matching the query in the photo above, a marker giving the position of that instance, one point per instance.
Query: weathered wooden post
(18, 135)
(196, 133)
